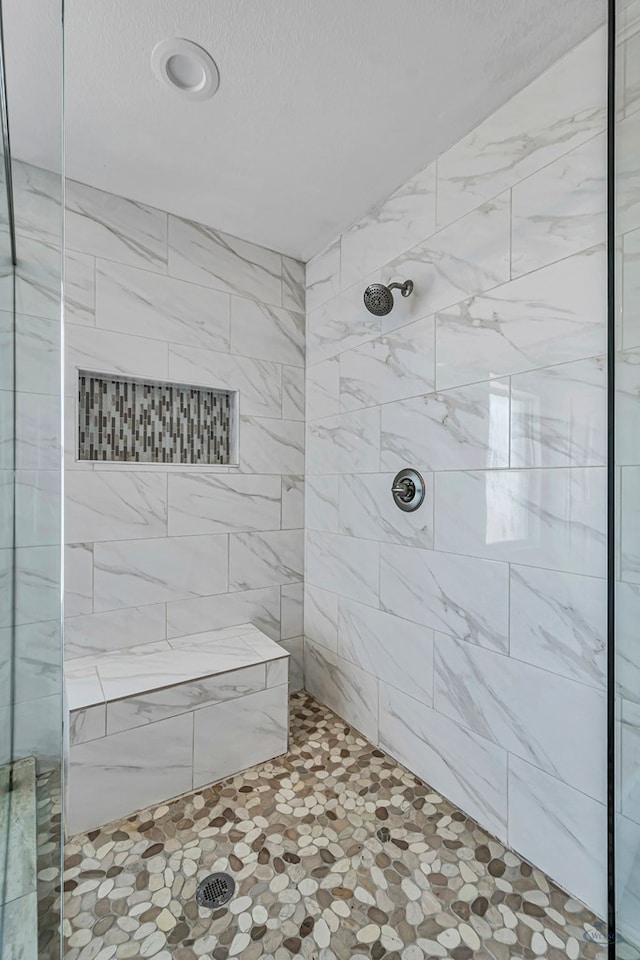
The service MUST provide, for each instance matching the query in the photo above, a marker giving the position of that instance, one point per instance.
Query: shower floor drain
(215, 890)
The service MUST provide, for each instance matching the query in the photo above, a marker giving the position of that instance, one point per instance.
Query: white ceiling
(324, 107)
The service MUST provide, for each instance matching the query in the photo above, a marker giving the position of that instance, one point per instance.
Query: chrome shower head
(378, 298)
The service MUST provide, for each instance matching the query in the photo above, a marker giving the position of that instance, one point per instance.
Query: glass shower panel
(626, 120)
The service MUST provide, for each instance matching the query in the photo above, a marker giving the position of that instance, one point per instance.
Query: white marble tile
(321, 616)
(101, 351)
(456, 595)
(391, 227)
(207, 256)
(630, 760)
(321, 503)
(277, 672)
(561, 209)
(266, 332)
(394, 650)
(627, 398)
(135, 572)
(108, 226)
(37, 584)
(343, 322)
(137, 710)
(262, 645)
(82, 684)
(115, 506)
(323, 276)
(467, 769)
(346, 443)
(38, 285)
(37, 202)
(629, 289)
(291, 603)
(295, 648)
(562, 108)
(627, 648)
(38, 432)
(368, 510)
(459, 261)
(462, 429)
(343, 565)
(522, 709)
(19, 832)
(559, 415)
(630, 527)
(322, 389)
(345, 688)
(88, 723)
(258, 381)
(561, 830)
(37, 359)
(265, 559)
(38, 731)
(260, 607)
(628, 874)
(143, 304)
(628, 173)
(558, 621)
(553, 518)
(208, 503)
(629, 56)
(20, 928)
(111, 777)
(293, 403)
(78, 579)
(38, 519)
(293, 490)
(260, 724)
(79, 288)
(97, 633)
(36, 660)
(507, 330)
(397, 365)
(293, 284)
(271, 446)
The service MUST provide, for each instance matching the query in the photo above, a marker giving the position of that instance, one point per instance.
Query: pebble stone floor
(337, 852)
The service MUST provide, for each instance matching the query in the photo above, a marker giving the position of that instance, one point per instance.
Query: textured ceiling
(325, 106)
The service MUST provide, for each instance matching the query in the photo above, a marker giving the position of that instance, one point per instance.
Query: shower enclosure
(31, 744)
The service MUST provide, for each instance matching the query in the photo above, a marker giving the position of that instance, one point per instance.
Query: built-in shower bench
(152, 722)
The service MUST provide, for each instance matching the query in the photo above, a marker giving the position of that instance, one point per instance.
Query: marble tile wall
(628, 465)
(163, 550)
(468, 639)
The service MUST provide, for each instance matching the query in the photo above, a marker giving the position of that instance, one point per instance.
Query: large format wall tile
(96, 633)
(111, 506)
(347, 443)
(138, 302)
(104, 225)
(462, 429)
(544, 518)
(271, 446)
(564, 830)
(323, 276)
(322, 396)
(321, 616)
(467, 769)
(265, 559)
(343, 565)
(398, 223)
(133, 572)
(547, 720)
(260, 607)
(259, 382)
(393, 650)
(341, 323)
(399, 364)
(368, 510)
(102, 351)
(262, 331)
(321, 502)
(565, 106)
(349, 691)
(207, 256)
(558, 621)
(509, 329)
(460, 596)
(207, 503)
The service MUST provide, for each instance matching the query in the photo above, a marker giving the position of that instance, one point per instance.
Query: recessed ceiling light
(186, 68)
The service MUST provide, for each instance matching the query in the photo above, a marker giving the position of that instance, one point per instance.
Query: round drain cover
(215, 890)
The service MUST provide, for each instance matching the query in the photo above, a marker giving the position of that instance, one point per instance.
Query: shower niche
(131, 420)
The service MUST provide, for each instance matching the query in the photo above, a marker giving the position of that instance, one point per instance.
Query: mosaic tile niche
(143, 421)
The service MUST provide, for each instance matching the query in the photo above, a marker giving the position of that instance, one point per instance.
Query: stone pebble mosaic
(337, 852)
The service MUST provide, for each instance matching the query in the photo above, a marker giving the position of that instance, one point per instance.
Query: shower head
(378, 298)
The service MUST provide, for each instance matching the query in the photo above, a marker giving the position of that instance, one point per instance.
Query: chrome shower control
(408, 490)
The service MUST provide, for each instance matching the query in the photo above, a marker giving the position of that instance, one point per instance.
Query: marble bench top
(166, 663)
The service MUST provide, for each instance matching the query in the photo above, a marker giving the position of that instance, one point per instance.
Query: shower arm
(405, 288)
